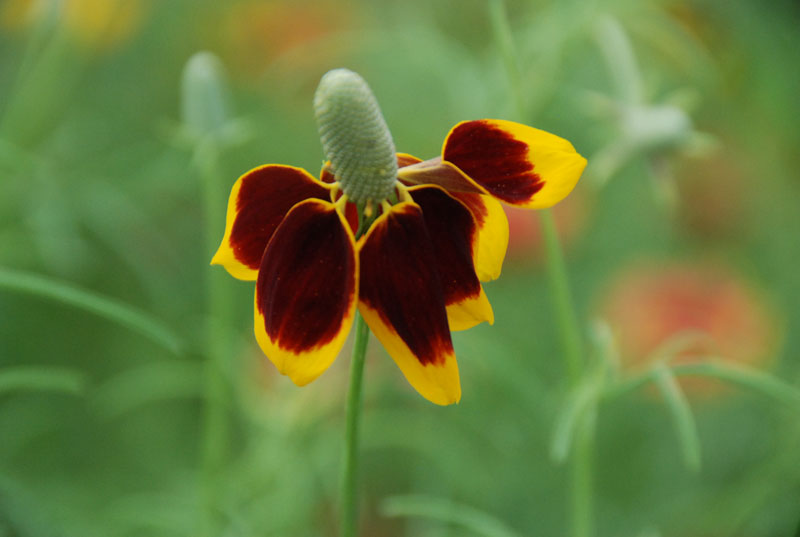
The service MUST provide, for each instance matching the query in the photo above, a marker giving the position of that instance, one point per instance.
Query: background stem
(567, 319)
(581, 502)
(215, 419)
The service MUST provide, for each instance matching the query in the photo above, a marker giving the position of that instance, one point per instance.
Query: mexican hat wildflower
(406, 242)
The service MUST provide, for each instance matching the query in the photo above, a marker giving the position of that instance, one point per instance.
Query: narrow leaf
(40, 378)
(682, 417)
(743, 376)
(577, 412)
(620, 59)
(443, 510)
(145, 384)
(104, 307)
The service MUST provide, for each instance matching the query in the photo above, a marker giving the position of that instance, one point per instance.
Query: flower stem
(349, 491)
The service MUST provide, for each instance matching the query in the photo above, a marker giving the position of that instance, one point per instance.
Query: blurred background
(134, 399)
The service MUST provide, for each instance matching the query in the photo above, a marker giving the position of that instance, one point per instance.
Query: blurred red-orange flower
(648, 304)
(258, 34)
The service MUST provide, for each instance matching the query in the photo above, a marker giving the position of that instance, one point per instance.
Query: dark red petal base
(399, 280)
(265, 196)
(494, 159)
(307, 280)
(451, 229)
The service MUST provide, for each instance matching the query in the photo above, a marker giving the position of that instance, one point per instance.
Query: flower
(405, 241)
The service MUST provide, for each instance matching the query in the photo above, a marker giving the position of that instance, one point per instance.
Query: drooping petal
(515, 163)
(491, 242)
(454, 235)
(306, 291)
(492, 237)
(258, 202)
(402, 301)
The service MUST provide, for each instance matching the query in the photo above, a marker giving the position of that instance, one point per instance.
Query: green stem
(582, 482)
(581, 503)
(349, 491)
(215, 419)
(566, 317)
(502, 32)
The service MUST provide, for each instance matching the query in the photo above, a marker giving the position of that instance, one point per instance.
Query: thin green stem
(349, 491)
(581, 493)
(215, 419)
(502, 32)
(581, 502)
(566, 317)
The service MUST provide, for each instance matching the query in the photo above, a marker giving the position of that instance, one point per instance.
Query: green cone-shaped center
(355, 137)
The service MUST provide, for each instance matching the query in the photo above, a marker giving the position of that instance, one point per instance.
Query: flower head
(405, 241)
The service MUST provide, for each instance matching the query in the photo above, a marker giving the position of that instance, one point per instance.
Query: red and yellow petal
(404, 159)
(491, 242)
(453, 232)
(258, 203)
(515, 163)
(403, 302)
(326, 175)
(492, 233)
(307, 290)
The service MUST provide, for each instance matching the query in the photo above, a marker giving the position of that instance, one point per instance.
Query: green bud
(355, 137)
(204, 103)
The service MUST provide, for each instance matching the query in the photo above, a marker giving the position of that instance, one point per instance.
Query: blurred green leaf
(620, 60)
(21, 513)
(743, 376)
(681, 413)
(578, 412)
(443, 510)
(606, 347)
(718, 368)
(139, 386)
(104, 307)
(166, 514)
(679, 343)
(41, 378)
